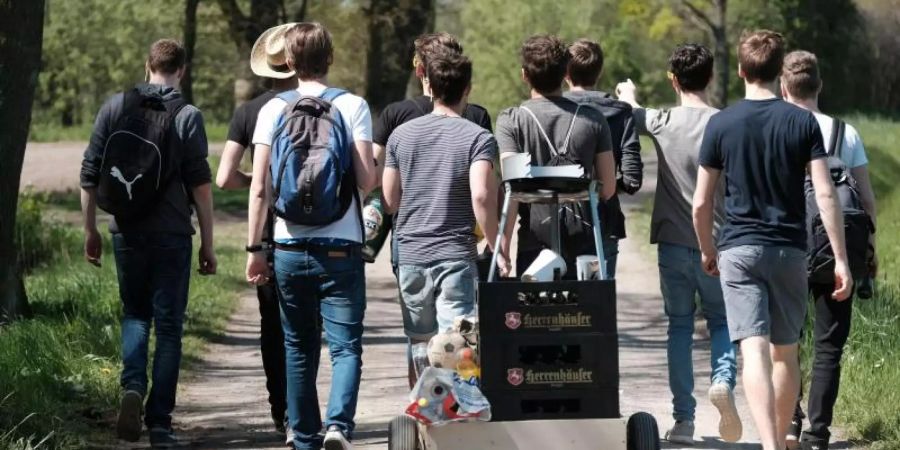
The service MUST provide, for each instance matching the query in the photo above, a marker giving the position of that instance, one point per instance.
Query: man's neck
(810, 104)
(285, 84)
(316, 83)
(426, 89)
(694, 99)
(574, 88)
(169, 80)
(448, 110)
(759, 91)
(535, 94)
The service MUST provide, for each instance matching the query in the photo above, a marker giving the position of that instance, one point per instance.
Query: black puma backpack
(139, 161)
(857, 223)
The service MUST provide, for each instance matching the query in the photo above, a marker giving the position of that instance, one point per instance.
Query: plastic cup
(541, 270)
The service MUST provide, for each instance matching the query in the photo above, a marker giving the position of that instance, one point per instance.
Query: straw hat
(267, 59)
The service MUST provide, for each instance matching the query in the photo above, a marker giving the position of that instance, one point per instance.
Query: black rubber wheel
(403, 433)
(643, 434)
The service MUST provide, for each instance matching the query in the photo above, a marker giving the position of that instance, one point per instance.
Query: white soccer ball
(443, 349)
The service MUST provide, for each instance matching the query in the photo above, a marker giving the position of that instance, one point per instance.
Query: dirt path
(54, 166)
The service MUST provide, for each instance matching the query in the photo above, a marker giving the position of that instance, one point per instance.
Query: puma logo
(117, 174)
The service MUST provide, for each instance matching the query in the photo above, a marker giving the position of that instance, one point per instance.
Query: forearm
(89, 208)
(485, 208)
(229, 175)
(703, 226)
(379, 154)
(203, 201)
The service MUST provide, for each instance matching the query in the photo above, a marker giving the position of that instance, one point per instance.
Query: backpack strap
(565, 147)
(541, 128)
(838, 129)
(329, 94)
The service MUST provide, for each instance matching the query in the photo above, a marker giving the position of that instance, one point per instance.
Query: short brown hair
(449, 75)
(308, 49)
(166, 56)
(800, 74)
(585, 63)
(761, 54)
(545, 59)
(434, 44)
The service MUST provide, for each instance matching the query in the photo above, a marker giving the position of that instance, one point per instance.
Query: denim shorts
(765, 291)
(433, 295)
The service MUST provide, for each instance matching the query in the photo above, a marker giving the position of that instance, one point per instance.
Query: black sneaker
(335, 439)
(161, 437)
(129, 426)
(812, 442)
(793, 435)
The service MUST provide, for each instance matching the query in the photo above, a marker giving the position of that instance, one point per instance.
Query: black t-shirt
(244, 120)
(398, 113)
(762, 148)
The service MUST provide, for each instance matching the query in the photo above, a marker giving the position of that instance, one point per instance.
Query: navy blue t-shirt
(762, 148)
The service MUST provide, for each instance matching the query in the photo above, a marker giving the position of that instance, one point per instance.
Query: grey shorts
(765, 291)
(432, 296)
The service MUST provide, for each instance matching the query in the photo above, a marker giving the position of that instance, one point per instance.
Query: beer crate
(602, 403)
(508, 308)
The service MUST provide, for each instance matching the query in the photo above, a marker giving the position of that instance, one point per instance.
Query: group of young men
(736, 173)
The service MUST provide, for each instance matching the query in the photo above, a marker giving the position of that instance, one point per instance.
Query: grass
(59, 370)
(53, 132)
(869, 401)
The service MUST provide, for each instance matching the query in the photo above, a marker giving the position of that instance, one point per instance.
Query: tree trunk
(393, 26)
(244, 30)
(190, 40)
(721, 54)
(21, 33)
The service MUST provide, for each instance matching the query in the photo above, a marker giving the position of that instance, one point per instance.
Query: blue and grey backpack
(311, 162)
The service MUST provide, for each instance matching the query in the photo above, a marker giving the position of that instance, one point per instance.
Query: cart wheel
(643, 434)
(403, 433)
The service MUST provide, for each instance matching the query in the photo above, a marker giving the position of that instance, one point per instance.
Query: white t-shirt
(355, 112)
(853, 153)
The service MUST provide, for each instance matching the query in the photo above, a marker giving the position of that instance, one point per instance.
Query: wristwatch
(255, 248)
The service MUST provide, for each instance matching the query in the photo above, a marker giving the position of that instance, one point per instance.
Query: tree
(190, 41)
(716, 25)
(245, 29)
(393, 26)
(21, 33)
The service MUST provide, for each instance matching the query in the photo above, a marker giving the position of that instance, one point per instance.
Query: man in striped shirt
(439, 179)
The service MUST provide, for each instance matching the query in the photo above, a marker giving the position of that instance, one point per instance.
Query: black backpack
(857, 223)
(139, 160)
(576, 231)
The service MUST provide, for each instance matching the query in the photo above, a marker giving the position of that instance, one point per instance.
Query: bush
(37, 240)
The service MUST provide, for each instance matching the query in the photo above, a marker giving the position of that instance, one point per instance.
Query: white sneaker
(335, 439)
(681, 433)
(730, 427)
(289, 437)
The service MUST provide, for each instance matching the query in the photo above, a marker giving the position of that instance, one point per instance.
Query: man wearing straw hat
(319, 267)
(267, 60)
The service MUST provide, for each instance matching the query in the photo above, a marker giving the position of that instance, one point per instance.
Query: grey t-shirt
(435, 221)
(517, 132)
(677, 134)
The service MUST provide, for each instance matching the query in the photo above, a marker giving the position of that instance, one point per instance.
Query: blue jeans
(154, 272)
(433, 295)
(321, 287)
(681, 278)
